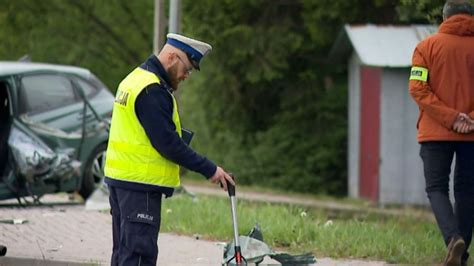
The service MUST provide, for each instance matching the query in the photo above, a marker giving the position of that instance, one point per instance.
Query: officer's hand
(220, 177)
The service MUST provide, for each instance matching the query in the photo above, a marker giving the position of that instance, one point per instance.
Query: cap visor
(194, 63)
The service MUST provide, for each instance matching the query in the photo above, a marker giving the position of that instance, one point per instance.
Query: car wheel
(94, 171)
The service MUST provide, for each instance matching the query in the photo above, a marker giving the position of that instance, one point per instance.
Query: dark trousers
(437, 158)
(135, 224)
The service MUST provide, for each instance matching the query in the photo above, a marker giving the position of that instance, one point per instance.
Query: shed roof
(383, 46)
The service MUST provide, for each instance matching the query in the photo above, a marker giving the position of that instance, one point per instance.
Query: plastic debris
(14, 221)
(254, 251)
(99, 200)
(55, 249)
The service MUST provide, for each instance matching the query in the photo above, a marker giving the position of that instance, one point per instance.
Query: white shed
(383, 153)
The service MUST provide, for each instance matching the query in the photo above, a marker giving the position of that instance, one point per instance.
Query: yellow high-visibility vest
(130, 155)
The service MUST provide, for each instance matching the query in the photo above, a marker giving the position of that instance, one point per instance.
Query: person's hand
(220, 177)
(463, 124)
(470, 123)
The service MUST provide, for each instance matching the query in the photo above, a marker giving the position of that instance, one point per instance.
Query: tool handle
(230, 188)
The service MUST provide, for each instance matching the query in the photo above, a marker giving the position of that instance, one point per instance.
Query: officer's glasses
(189, 70)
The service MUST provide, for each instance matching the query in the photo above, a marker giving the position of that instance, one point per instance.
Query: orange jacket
(448, 89)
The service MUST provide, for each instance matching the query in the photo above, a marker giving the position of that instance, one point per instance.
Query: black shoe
(456, 248)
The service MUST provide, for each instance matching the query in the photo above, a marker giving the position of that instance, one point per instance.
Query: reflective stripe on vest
(130, 155)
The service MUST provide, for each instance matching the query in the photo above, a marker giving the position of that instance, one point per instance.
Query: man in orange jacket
(442, 84)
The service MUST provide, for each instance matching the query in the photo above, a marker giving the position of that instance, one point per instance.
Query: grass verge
(300, 229)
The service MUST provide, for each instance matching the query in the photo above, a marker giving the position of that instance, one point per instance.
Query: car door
(49, 105)
(30, 166)
(93, 114)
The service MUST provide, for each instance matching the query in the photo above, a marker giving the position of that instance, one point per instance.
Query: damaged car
(53, 131)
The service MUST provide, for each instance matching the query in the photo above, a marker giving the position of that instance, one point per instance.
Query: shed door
(370, 133)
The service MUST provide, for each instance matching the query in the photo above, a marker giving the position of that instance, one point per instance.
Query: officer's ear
(169, 60)
(172, 59)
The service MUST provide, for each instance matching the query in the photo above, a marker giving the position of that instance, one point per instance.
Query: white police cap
(194, 49)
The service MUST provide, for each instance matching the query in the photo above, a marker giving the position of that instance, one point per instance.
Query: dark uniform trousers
(437, 159)
(135, 224)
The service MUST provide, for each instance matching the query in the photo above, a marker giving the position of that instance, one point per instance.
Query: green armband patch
(419, 73)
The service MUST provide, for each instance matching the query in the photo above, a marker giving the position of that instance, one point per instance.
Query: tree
(99, 35)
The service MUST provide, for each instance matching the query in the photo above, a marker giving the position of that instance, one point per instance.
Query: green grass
(284, 227)
(199, 181)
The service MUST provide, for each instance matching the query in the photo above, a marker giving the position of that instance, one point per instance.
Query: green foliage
(324, 18)
(305, 148)
(421, 11)
(261, 84)
(108, 37)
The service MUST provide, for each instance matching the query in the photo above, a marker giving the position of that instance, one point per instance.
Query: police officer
(147, 146)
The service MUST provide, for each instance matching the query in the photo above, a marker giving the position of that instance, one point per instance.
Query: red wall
(370, 133)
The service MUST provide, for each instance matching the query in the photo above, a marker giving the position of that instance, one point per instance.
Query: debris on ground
(14, 221)
(254, 251)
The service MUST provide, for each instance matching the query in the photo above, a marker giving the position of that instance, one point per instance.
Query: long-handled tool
(239, 259)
